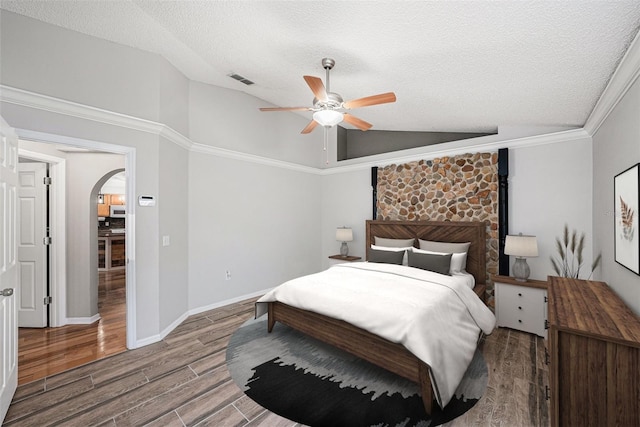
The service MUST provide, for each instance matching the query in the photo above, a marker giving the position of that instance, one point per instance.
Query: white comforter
(436, 317)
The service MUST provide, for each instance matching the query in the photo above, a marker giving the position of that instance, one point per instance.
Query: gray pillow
(386, 257)
(393, 243)
(449, 248)
(432, 262)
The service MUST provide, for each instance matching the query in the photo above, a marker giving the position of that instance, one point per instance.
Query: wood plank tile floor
(183, 381)
(46, 351)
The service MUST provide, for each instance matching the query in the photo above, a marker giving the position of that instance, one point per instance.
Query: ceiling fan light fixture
(328, 117)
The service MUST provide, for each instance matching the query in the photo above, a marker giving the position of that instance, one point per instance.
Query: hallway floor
(47, 351)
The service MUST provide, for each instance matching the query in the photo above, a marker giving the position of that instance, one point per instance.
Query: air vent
(241, 79)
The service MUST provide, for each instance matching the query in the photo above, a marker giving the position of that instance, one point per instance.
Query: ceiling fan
(328, 106)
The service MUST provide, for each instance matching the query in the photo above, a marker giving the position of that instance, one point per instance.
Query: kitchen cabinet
(111, 252)
(104, 209)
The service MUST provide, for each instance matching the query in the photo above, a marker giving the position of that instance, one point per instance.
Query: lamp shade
(521, 246)
(344, 234)
(328, 117)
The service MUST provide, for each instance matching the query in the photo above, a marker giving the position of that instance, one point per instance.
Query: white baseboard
(227, 302)
(82, 320)
(166, 331)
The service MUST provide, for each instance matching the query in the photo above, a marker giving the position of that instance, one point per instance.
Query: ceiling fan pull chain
(326, 142)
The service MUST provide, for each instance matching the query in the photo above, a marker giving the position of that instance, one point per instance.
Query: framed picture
(627, 240)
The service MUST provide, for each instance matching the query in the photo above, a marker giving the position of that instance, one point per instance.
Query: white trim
(38, 101)
(130, 167)
(58, 212)
(83, 320)
(625, 75)
(130, 248)
(236, 155)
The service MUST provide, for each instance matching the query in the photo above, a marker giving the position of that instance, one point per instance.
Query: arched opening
(108, 260)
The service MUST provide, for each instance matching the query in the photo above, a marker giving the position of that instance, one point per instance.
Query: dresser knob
(519, 308)
(519, 294)
(519, 321)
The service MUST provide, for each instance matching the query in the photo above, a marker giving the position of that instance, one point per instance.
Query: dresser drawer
(520, 307)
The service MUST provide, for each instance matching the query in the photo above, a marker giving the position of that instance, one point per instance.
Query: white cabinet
(521, 305)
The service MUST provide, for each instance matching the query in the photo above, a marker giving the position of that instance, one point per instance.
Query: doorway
(117, 286)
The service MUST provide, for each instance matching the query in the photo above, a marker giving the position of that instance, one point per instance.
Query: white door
(8, 266)
(32, 251)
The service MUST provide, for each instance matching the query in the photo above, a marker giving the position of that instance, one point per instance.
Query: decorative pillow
(405, 260)
(458, 261)
(446, 248)
(432, 262)
(386, 257)
(393, 243)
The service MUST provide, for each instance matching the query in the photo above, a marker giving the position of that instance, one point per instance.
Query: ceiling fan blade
(382, 98)
(317, 87)
(285, 109)
(311, 126)
(359, 123)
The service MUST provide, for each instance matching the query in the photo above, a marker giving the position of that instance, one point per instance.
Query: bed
(389, 355)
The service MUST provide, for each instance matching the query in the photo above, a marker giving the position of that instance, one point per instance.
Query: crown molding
(37, 101)
(236, 155)
(624, 76)
(59, 106)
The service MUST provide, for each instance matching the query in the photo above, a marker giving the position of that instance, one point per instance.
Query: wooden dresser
(594, 342)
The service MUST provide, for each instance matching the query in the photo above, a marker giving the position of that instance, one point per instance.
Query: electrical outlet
(228, 275)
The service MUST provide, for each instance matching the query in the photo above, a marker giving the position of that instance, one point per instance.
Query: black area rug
(312, 383)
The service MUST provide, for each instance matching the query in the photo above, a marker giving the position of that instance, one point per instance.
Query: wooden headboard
(445, 231)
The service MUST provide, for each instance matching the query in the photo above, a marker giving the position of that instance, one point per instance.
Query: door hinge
(546, 324)
(46, 240)
(547, 357)
(546, 299)
(47, 180)
(47, 300)
(547, 394)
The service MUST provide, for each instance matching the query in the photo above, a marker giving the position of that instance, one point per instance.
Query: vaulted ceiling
(455, 66)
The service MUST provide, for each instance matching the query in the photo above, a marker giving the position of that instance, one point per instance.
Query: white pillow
(405, 260)
(458, 260)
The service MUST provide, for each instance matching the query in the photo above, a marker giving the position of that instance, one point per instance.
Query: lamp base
(344, 249)
(521, 270)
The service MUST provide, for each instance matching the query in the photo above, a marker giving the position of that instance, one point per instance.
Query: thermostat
(146, 200)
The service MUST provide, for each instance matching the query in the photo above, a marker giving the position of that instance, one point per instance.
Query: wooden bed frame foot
(271, 321)
(425, 387)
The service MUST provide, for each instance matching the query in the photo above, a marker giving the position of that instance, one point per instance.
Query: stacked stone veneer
(457, 188)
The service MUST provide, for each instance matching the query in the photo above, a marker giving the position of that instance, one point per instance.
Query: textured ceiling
(454, 65)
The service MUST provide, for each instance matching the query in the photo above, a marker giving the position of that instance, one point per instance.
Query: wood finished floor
(183, 381)
(43, 352)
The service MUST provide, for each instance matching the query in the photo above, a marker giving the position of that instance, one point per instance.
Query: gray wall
(83, 171)
(259, 222)
(214, 121)
(616, 147)
(353, 143)
(173, 207)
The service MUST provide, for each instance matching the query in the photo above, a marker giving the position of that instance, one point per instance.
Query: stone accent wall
(457, 188)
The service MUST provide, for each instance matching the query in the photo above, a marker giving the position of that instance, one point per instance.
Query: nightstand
(337, 259)
(521, 305)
